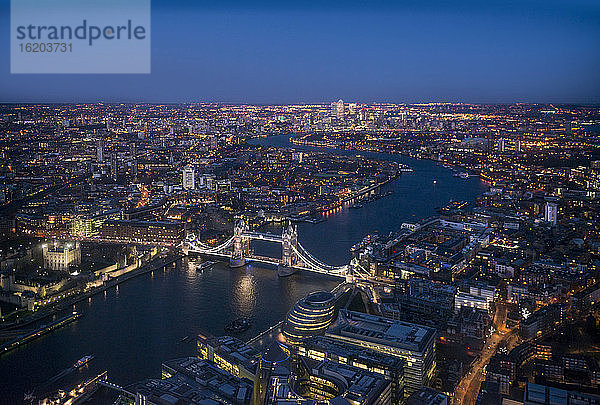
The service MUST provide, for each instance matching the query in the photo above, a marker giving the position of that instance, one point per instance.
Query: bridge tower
(289, 241)
(240, 244)
(185, 247)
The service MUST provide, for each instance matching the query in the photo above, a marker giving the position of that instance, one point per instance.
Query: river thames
(133, 329)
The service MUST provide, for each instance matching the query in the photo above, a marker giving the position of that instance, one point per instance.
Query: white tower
(501, 145)
(340, 109)
(188, 178)
(100, 151)
(551, 213)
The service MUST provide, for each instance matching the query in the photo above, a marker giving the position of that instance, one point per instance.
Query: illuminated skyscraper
(340, 109)
(333, 111)
(551, 212)
(188, 179)
(352, 108)
(100, 152)
(501, 145)
(114, 166)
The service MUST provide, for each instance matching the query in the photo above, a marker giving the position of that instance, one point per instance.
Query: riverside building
(311, 316)
(415, 344)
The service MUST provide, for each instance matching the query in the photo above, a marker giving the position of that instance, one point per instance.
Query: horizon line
(226, 103)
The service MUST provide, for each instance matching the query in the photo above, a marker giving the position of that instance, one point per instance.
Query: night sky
(300, 52)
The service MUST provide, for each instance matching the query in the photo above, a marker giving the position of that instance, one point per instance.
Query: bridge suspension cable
(204, 248)
(359, 270)
(312, 261)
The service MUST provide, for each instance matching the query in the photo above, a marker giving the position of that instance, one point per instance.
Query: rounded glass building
(311, 316)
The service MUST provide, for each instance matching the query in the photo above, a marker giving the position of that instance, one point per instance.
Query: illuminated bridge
(293, 255)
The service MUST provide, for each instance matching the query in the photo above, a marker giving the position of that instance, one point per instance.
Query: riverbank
(21, 340)
(113, 282)
(414, 196)
(324, 145)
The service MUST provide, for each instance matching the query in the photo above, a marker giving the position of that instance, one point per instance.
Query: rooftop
(384, 331)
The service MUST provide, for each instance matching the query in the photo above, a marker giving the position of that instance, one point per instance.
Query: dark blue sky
(275, 52)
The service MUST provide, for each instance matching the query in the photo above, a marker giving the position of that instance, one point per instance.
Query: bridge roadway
(306, 260)
(269, 237)
(269, 260)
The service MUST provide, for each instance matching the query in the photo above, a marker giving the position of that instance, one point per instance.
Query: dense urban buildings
(493, 300)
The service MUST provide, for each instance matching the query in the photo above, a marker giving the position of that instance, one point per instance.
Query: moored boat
(238, 325)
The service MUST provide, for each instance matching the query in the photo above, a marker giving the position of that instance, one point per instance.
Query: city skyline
(379, 253)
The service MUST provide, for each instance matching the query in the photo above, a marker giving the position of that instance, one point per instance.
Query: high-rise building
(333, 111)
(501, 145)
(340, 109)
(114, 166)
(100, 152)
(188, 178)
(551, 212)
(352, 108)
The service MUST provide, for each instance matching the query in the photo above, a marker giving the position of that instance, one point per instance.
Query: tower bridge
(294, 257)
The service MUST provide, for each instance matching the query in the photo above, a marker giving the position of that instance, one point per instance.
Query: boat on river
(205, 265)
(238, 325)
(83, 361)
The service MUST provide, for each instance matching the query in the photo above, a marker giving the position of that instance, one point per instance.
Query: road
(468, 388)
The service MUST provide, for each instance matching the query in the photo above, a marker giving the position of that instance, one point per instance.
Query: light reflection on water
(133, 329)
(244, 294)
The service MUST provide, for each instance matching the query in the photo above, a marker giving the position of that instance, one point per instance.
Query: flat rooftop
(384, 331)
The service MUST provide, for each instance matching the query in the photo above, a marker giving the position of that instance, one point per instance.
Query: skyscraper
(501, 145)
(188, 179)
(551, 212)
(114, 165)
(333, 111)
(100, 151)
(352, 108)
(340, 109)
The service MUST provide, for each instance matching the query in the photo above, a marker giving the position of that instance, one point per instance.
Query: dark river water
(133, 329)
